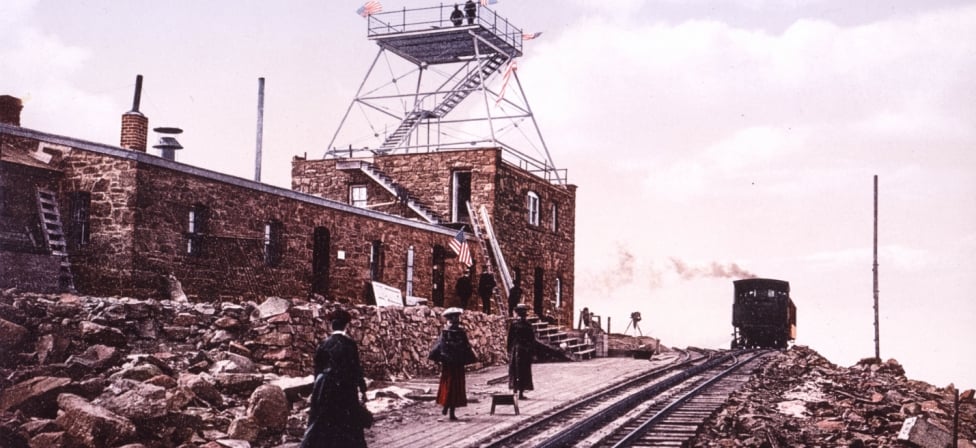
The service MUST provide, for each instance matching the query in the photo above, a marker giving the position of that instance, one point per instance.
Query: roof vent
(167, 142)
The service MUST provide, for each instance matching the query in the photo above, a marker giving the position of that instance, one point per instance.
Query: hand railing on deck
(436, 17)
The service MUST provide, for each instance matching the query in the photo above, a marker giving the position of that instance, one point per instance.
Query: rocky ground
(84, 372)
(801, 399)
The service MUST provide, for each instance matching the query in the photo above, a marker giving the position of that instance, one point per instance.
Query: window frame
(273, 247)
(196, 227)
(533, 204)
(354, 200)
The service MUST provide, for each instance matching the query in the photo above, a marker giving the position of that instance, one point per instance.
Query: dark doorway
(320, 261)
(537, 291)
(437, 277)
(462, 194)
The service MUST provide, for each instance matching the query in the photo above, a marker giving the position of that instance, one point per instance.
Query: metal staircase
(397, 190)
(53, 230)
(470, 83)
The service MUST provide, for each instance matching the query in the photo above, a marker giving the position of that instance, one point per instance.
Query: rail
(438, 17)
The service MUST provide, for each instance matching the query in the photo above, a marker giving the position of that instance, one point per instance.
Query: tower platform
(426, 36)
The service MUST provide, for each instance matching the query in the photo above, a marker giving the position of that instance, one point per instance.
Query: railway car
(763, 315)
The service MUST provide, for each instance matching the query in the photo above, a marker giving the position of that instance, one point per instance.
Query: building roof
(149, 159)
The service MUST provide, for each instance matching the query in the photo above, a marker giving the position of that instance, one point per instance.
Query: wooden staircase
(53, 230)
(555, 336)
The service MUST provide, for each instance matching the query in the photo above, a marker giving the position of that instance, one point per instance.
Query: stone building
(126, 219)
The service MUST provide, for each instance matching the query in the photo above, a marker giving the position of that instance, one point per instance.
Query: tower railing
(438, 17)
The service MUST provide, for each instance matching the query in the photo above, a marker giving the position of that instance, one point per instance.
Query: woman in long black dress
(521, 348)
(336, 417)
(453, 351)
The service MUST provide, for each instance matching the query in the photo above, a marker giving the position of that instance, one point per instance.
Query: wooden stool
(497, 399)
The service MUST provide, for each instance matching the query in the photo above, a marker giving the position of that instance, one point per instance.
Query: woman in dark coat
(453, 352)
(336, 417)
(521, 348)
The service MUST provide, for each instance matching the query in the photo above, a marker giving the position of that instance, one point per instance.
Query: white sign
(411, 301)
(386, 295)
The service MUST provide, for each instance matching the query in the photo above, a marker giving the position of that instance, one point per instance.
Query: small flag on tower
(530, 36)
(488, 2)
(460, 246)
(369, 8)
(512, 66)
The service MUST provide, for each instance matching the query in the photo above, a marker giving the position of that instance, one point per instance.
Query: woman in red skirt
(453, 352)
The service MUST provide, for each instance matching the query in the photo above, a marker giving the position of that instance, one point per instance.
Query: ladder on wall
(53, 230)
(502, 292)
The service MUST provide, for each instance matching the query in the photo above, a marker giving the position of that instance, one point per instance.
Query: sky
(708, 140)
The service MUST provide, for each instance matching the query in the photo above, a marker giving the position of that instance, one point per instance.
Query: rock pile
(79, 371)
(801, 399)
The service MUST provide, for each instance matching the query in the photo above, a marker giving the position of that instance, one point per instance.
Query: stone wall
(105, 264)
(551, 250)
(500, 187)
(278, 334)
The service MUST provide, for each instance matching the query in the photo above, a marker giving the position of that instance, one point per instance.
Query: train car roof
(762, 283)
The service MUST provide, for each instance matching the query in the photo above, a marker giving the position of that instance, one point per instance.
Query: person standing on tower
(471, 11)
(457, 17)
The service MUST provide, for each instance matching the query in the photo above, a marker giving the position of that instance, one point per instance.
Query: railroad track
(661, 408)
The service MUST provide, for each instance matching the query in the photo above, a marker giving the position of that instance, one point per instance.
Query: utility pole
(877, 338)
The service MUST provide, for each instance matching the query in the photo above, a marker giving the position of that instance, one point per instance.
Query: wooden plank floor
(423, 426)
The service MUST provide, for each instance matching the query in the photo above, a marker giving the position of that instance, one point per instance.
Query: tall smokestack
(10, 108)
(260, 137)
(135, 125)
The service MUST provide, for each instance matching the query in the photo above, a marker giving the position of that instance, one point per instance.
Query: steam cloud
(628, 271)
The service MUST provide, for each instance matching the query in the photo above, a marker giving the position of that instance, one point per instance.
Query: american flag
(460, 246)
(369, 8)
(488, 2)
(530, 36)
(512, 66)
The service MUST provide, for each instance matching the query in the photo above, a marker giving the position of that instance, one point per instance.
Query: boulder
(135, 401)
(269, 408)
(101, 334)
(93, 426)
(11, 336)
(35, 397)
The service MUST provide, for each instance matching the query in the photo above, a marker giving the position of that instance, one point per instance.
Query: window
(78, 230)
(376, 261)
(3, 200)
(410, 271)
(559, 292)
(555, 218)
(357, 195)
(196, 226)
(461, 194)
(533, 206)
(272, 243)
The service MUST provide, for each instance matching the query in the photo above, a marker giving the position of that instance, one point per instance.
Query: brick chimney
(10, 108)
(135, 125)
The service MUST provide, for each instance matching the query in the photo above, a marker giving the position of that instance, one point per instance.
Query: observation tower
(435, 85)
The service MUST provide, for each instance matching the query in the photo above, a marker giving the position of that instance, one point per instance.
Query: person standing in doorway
(521, 348)
(471, 11)
(337, 418)
(486, 287)
(452, 351)
(514, 297)
(463, 289)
